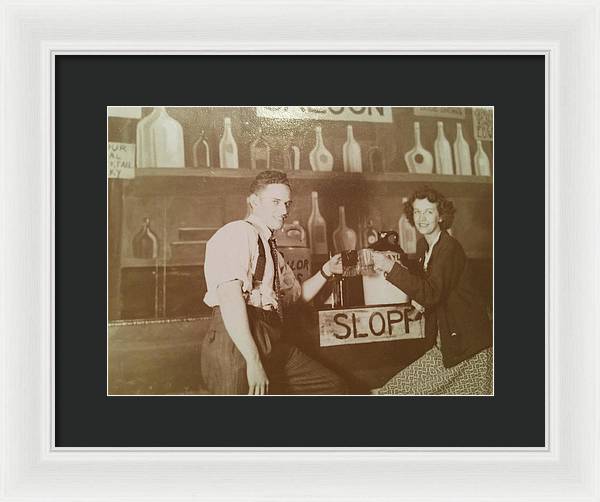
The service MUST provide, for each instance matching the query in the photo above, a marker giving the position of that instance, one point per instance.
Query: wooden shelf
(224, 174)
(159, 264)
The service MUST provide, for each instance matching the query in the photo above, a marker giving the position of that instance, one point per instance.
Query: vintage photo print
(300, 250)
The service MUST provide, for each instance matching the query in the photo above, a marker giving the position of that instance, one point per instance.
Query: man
(248, 285)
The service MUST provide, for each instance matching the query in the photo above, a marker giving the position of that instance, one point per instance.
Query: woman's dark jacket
(450, 299)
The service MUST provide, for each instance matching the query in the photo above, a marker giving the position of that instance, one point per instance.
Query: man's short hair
(268, 178)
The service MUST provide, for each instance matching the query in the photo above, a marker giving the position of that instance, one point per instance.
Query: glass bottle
(260, 151)
(291, 156)
(144, 152)
(201, 152)
(145, 242)
(376, 159)
(418, 160)
(228, 150)
(344, 238)
(167, 140)
(442, 151)
(317, 228)
(351, 153)
(407, 233)
(482, 161)
(462, 153)
(320, 158)
(370, 236)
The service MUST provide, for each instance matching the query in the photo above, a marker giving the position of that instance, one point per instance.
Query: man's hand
(381, 262)
(334, 265)
(258, 382)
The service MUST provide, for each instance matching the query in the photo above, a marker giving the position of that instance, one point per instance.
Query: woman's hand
(381, 262)
(334, 265)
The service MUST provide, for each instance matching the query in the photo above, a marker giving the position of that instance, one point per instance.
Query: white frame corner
(568, 33)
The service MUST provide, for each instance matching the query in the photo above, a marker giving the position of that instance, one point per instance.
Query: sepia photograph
(300, 250)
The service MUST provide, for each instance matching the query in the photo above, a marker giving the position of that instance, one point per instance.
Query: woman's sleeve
(429, 289)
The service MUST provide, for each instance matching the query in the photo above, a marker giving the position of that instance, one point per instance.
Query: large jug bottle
(418, 160)
(442, 151)
(317, 228)
(260, 152)
(407, 233)
(344, 238)
(167, 140)
(462, 153)
(351, 153)
(320, 158)
(228, 150)
(482, 161)
(144, 152)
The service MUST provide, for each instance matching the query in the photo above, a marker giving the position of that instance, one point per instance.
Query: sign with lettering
(368, 324)
(299, 260)
(449, 112)
(128, 112)
(347, 113)
(120, 160)
(483, 123)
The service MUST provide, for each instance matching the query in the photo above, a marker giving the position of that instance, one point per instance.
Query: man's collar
(264, 231)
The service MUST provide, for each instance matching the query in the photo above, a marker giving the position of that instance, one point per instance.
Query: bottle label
(323, 158)
(371, 239)
(229, 148)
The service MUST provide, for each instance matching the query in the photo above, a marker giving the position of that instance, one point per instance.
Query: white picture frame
(567, 33)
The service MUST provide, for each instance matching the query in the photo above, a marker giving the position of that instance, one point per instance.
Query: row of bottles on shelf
(345, 238)
(145, 242)
(420, 160)
(159, 143)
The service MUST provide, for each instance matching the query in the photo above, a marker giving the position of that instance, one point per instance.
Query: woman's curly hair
(445, 207)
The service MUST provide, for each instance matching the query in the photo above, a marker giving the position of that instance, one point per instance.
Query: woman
(457, 327)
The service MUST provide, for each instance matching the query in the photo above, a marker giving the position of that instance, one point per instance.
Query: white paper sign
(483, 123)
(128, 112)
(120, 160)
(450, 112)
(367, 324)
(346, 113)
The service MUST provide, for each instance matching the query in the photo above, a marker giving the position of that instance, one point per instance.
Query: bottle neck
(417, 134)
(349, 134)
(319, 136)
(459, 134)
(440, 129)
(315, 204)
(342, 212)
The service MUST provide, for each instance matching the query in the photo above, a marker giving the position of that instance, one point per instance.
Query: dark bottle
(145, 242)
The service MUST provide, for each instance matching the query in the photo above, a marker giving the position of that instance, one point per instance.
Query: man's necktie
(276, 285)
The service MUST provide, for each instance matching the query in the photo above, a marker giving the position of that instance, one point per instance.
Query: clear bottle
(418, 160)
(260, 152)
(201, 152)
(376, 159)
(317, 228)
(407, 233)
(166, 136)
(482, 161)
(228, 150)
(462, 153)
(145, 242)
(351, 153)
(291, 156)
(320, 158)
(144, 152)
(344, 238)
(370, 236)
(442, 152)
